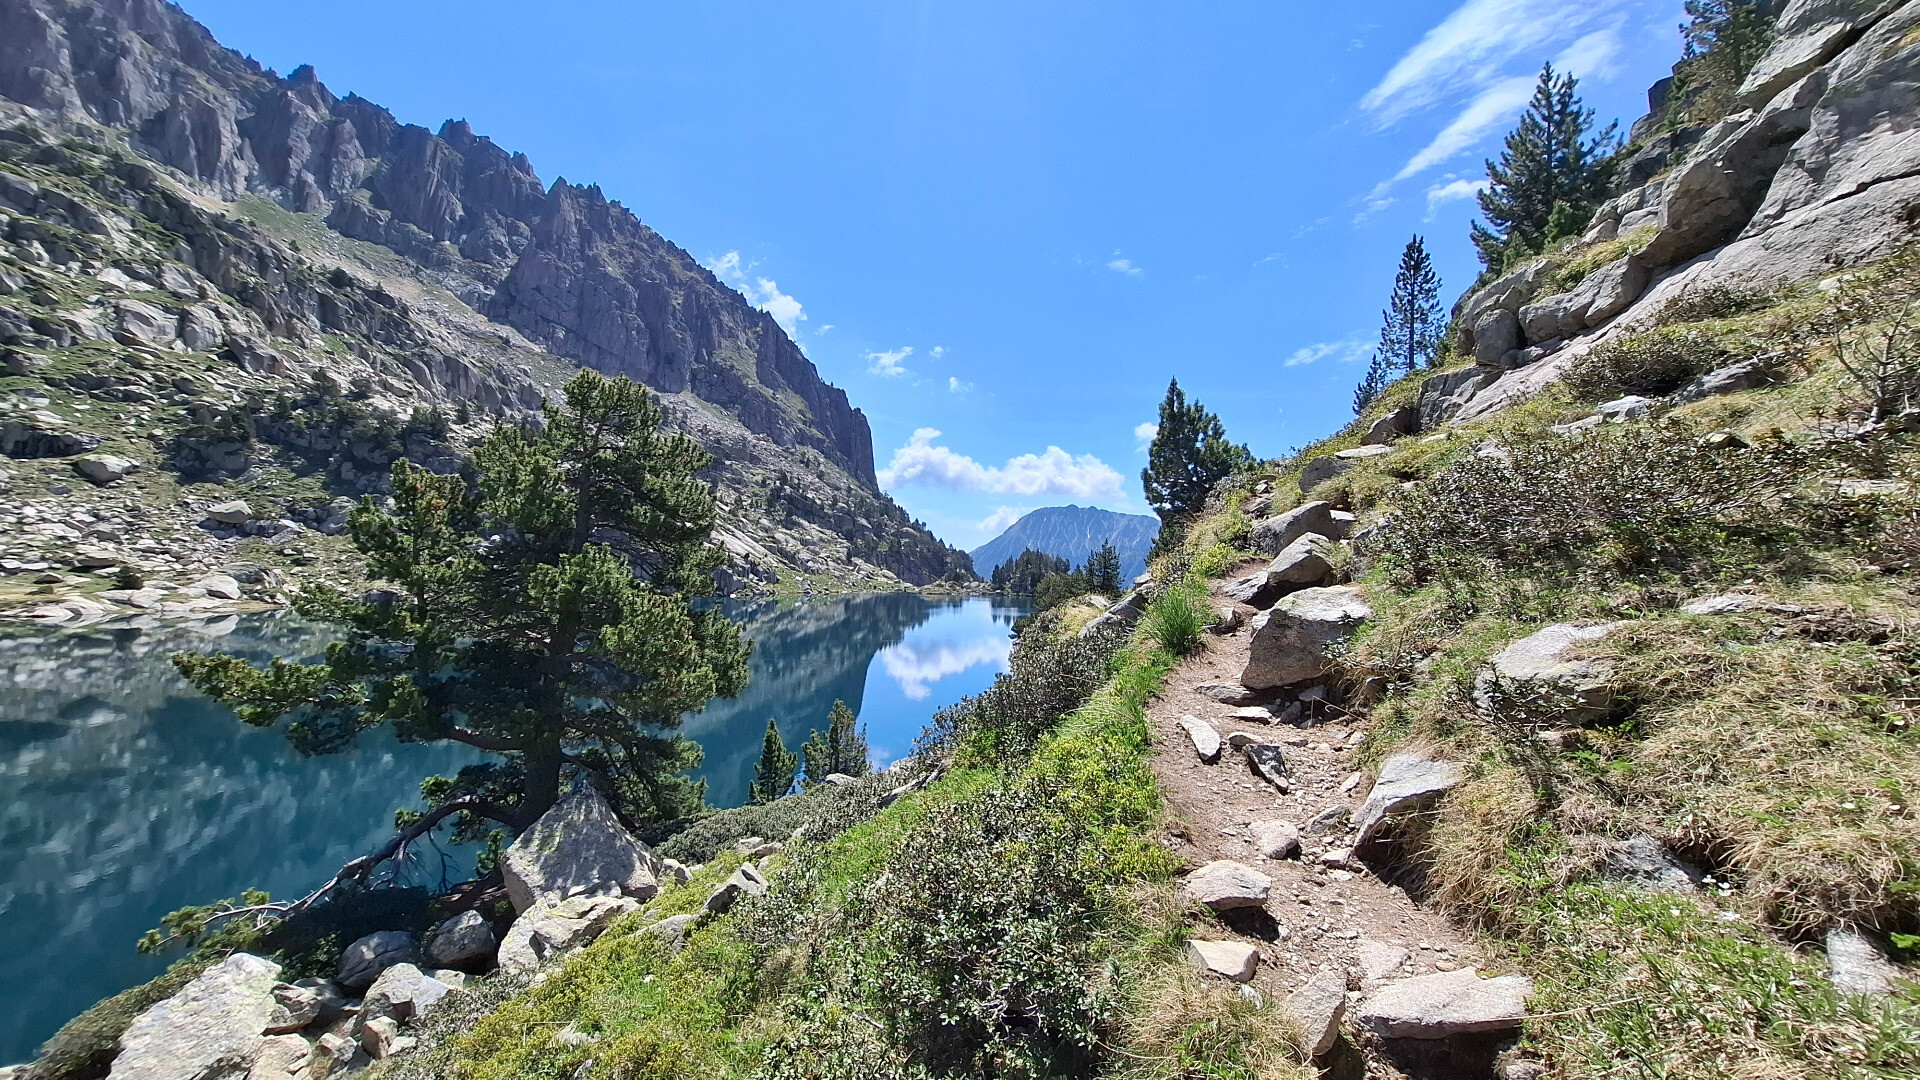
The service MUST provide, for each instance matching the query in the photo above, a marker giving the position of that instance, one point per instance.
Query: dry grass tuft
(1190, 1028)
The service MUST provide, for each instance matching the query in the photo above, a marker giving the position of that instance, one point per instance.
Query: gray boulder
(294, 1008)
(1449, 1003)
(402, 992)
(332, 1053)
(1644, 862)
(1275, 839)
(1855, 964)
(104, 469)
(578, 848)
(1316, 1009)
(464, 942)
(1305, 562)
(1293, 643)
(1409, 781)
(20, 439)
(1271, 536)
(672, 931)
(233, 512)
(1536, 679)
(282, 1057)
(144, 324)
(1206, 741)
(1443, 396)
(1745, 375)
(552, 928)
(211, 1029)
(1621, 410)
(1807, 34)
(1392, 425)
(364, 960)
(746, 881)
(1495, 333)
(1224, 885)
(1235, 960)
(1604, 293)
(1322, 469)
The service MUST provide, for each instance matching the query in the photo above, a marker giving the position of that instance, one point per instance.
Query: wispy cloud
(1492, 108)
(1125, 266)
(1343, 351)
(956, 386)
(1452, 191)
(889, 363)
(763, 293)
(1143, 435)
(1054, 472)
(1001, 519)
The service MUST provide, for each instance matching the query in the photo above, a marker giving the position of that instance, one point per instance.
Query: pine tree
(509, 622)
(1547, 161)
(1723, 40)
(1103, 570)
(1022, 574)
(1412, 323)
(774, 776)
(1379, 374)
(839, 749)
(1189, 455)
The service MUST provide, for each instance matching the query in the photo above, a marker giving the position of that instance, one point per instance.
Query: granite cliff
(268, 231)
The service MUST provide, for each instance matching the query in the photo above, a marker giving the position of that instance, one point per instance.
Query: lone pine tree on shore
(773, 777)
(1549, 177)
(1411, 325)
(842, 748)
(548, 611)
(1190, 453)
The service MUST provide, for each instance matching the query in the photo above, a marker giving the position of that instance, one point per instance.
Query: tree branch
(491, 743)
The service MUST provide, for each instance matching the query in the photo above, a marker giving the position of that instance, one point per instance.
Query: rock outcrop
(213, 1028)
(578, 848)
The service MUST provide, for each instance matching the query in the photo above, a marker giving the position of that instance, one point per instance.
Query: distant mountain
(1073, 533)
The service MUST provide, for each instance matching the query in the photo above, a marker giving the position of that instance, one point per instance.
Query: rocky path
(1330, 929)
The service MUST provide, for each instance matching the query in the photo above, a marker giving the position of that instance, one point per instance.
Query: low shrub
(1651, 364)
(1712, 302)
(1046, 679)
(1176, 619)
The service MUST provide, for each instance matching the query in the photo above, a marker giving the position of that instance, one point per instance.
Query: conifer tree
(1103, 570)
(1189, 455)
(509, 621)
(840, 749)
(778, 767)
(1379, 374)
(1548, 161)
(1412, 323)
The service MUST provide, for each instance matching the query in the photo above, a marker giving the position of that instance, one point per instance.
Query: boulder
(1316, 1009)
(578, 848)
(212, 1028)
(1644, 862)
(1293, 642)
(1234, 960)
(1449, 1003)
(1379, 960)
(1721, 604)
(464, 942)
(221, 587)
(234, 512)
(1206, 741)
(381, 1038)
(745, 881)
(1392, 425)
(551, 928)
(144, 324)
(1510, 291)
(332, 1053)
(1268, 762)
(1272, 535)
(282, 1057)
(1275, 839)
(294, 1008)
(104, 469)
(1443, 396)
(1363, 452)
(1224, 885)
(1495, 333)
(1303, 563)
(1807, 34)
(1320, 470)
(1621, 410)
(1855, 964)
(1408, 781)
(1745, 375)
(402, 992)
(1603, 294)
(1534, 678)
(672, 930)
(364, 960)
(19, 439)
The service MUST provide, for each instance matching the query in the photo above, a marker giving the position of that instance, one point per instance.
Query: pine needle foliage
(1413, 322)
(1548, 161)
(842, 748)
(547, 610)
(773, 777)
(1190, 453)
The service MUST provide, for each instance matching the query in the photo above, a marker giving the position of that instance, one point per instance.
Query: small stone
(378, 1036)
(674, 870)
(1855, 965)
(1316, 1009)
(282, 1057)
(1267, 763)
(1380, 960)
(1227, 693)
(331, 1053)
(1276, 839)
(1224, 885)
(1723, 604)
(1253, 714)
(672, 930)
(1331, 820)
(1206, 741)
(1446, 1004)
(1234, 960)
(294, 1008)
(745, 881)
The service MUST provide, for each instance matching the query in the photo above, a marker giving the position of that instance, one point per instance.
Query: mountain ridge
(1073, 533)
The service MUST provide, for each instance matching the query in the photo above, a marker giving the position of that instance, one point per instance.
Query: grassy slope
(1775, 748)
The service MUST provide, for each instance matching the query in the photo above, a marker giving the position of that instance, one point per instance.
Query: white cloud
(955, 386)
(888, 363)
(1470, 49)
(916, 664)
(1125, 266)
(763, 293)
(1001, 519)
(1452, 191)
(937, 351)
(824, 329)
(1493, 107)
(1343, 352)
(1143, 434)
(1054, 472)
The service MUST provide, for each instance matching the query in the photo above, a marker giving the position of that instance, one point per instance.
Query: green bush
(1045, 680)
(1176, 620)
(1712, 302)
(1652, 364)
(817, 810)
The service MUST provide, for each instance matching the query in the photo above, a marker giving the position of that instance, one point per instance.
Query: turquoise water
(124, 794)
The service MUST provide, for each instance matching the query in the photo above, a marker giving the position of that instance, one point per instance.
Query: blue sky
(1003, 226)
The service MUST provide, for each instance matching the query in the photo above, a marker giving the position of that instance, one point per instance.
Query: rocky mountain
(176, 212)
(1073, 533)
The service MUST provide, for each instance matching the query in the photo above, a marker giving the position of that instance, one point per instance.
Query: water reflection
(124, 794)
